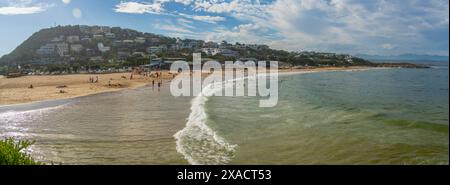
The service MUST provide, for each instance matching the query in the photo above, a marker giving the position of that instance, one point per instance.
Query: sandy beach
(51, 87)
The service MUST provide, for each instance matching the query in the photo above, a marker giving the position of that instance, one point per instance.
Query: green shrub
(11, 152)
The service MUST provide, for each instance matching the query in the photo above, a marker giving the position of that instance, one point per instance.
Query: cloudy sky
(385, 27)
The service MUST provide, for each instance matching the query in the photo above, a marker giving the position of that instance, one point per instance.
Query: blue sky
(384, 27)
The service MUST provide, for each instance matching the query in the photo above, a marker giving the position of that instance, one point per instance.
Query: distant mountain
(404, 57)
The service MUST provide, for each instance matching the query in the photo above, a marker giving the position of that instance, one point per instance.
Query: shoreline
(16, 91)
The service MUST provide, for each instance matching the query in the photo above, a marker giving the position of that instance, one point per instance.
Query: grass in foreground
(11, 152)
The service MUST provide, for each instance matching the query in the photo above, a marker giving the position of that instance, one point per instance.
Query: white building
(103, 48)
(216, 51)
(211, 51)
(128, 41)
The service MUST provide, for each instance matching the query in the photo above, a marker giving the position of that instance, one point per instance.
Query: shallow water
(126, 127)
(383, 116)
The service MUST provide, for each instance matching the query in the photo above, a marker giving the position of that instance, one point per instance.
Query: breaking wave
(197, 142)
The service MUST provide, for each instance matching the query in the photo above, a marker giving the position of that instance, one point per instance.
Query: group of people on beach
(93, 80)
(158, 76)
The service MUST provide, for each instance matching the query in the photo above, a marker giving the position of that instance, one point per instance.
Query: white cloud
(66, 1)
(139, 8)
(185, 2)
(244, 33)
(171, 28)
(23, 7)
(204, 18)
(11, 10)
(185, 23)
(353, 26)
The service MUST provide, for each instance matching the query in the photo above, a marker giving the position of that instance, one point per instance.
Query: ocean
(379, 116)
(376, 116)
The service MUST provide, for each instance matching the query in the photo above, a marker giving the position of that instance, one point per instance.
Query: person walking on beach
(159, 85)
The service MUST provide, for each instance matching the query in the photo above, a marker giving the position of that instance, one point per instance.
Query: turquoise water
(379, 116)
